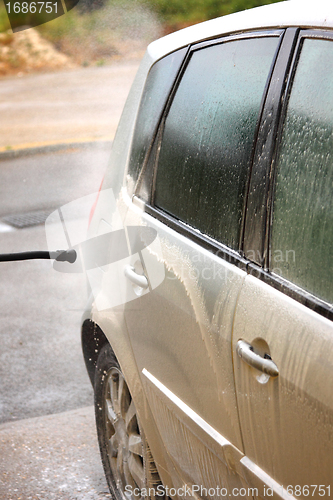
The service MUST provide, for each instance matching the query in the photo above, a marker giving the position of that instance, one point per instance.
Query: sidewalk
(80, 105)
(55, 457)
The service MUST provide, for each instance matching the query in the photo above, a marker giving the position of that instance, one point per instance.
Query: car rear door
(283, 332)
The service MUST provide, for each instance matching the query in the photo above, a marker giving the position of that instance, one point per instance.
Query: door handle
(138, 279)
(246, 353)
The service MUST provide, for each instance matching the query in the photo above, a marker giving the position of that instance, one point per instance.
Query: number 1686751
(32, 7)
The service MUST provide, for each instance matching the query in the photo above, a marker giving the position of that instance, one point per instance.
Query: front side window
(156, 91)
(208, 137)
(302, 226)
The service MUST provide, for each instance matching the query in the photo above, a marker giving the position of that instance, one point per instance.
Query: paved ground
(42, 373)
(41, 365)
(71, 105)
(48, 446)
(52, 458)
(50, 179)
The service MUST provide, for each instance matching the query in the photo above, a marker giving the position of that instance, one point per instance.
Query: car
(208, 333)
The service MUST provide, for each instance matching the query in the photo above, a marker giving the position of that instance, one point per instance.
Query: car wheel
(128, 464)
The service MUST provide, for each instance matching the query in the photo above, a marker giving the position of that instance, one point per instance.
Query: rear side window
(155, 94)
(207, 143)
(302, 226)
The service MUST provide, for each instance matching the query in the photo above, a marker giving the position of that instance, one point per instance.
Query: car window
(302, 226)
(208, 137)
(155, 94)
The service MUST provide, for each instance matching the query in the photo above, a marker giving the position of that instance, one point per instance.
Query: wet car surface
(210, 347)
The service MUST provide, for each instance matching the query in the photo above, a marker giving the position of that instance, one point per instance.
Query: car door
(192, 193)
(283, 332)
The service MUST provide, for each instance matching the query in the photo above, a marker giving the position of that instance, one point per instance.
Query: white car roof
(303, 13)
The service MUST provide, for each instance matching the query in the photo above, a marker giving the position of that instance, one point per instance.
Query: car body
(221, 328)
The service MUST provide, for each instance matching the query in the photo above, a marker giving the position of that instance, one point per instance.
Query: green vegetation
(4, 23)
(190, 11)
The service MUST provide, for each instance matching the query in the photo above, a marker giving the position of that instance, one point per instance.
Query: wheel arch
(93, 340)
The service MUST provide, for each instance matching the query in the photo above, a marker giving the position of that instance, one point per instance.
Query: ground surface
(81, 104)
(52, 458)
(48, 445)
(41, 365)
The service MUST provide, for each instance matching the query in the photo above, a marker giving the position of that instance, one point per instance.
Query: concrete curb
(51, 148)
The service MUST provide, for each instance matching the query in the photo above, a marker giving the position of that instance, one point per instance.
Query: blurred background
(96, 32)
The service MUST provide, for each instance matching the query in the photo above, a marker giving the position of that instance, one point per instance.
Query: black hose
(60, 255)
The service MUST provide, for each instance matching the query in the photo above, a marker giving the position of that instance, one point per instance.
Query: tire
(128, 464)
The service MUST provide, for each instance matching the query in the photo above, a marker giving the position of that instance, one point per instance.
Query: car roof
(302, 13)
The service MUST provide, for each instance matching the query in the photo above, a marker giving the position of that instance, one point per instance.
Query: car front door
(181, 331)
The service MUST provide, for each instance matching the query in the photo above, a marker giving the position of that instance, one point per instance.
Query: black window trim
(303, 35)
(217, 248)
(232, 257)
(256, 215)
(142, 172)
(291, 290)
(262, 272)
(270, 123)
(205, 241)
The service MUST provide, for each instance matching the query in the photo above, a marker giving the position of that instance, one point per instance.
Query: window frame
(257, 210)
(142, 169)
(288, 288)
(234, 256)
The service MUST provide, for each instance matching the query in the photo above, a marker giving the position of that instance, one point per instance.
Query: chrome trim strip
(253, 475)
(279, 492)
(187, 410)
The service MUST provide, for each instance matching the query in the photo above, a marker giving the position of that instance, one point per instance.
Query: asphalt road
(48, 445)
(41, 363)
(49, 180)
(41, 366)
